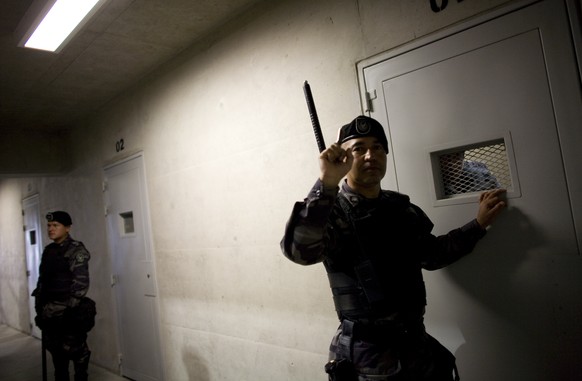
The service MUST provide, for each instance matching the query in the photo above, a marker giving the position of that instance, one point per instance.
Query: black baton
(313, 116)
(43, 346)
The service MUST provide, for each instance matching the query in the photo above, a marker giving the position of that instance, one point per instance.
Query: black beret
(361, 127)
(60, 216)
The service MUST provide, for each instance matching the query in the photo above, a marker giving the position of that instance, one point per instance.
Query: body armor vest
(383, 273)
(55, 270)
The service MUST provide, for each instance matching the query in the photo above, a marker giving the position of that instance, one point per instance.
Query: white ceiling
(123, 42)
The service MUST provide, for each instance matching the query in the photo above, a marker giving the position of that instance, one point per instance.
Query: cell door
(33, 245)
(496, 99)
(503, 96)
(129, 237)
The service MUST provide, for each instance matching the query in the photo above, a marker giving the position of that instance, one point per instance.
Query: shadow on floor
(21, 360)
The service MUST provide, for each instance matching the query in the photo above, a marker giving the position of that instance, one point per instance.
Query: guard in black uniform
(61, 305)
(374, 244)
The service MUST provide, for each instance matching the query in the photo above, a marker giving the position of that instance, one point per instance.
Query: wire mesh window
(475, 169)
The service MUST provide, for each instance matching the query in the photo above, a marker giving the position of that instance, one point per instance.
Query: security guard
(62, 284)
(374, 244)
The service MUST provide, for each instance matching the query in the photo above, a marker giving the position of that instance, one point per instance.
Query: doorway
(33, 245)
(133, 278)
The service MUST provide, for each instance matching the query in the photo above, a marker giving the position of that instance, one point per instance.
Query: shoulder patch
(81, 257)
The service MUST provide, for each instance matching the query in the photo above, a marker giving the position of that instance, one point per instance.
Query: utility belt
(352, 343)
(382, 331)
(347, 352)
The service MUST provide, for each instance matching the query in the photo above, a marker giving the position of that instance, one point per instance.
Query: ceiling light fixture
(57, 22)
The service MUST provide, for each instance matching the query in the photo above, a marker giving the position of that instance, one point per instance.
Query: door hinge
(104, 186)
(119, 359)
(113, 280)
(106, 211)
(370, 95)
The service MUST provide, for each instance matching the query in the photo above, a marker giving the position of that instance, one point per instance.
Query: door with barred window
(494, 103)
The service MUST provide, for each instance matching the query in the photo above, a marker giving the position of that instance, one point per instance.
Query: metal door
(33, 245)
(133, 275)
(509, 79)
(512, 81)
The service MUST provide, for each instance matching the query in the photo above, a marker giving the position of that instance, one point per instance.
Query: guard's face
(369, 166)
(57, 231)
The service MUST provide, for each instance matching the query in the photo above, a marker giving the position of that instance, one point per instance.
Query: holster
(342, 368)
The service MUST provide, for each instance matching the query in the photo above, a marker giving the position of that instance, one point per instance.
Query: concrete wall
(228, 147)
(13, 285)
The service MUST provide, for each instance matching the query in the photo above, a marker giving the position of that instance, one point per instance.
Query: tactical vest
(55, 272)
(378, 270)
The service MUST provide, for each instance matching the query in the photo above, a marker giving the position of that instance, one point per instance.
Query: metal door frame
(32, 200)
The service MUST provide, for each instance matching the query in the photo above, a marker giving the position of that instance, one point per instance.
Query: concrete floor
(21, 359)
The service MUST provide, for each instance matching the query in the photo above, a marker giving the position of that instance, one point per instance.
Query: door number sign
(119, 145)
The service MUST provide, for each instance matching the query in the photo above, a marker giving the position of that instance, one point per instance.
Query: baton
(43, 348)
(313, 116)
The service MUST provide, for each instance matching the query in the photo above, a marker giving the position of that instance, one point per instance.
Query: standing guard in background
(64, 313)
(374, 244)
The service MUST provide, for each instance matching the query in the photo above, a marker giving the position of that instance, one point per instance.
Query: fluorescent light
(59, 23)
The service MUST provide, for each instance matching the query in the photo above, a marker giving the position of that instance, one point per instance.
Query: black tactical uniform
(63, 281)
(374, 251)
